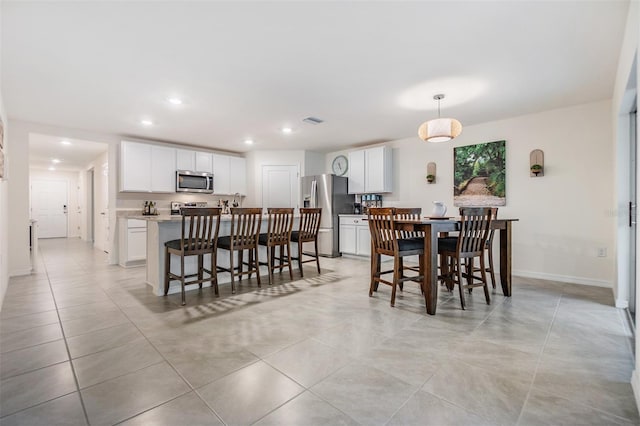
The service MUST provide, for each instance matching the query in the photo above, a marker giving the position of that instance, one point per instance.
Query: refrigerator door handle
(314, 193)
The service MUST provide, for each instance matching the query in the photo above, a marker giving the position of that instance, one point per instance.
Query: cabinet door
(185, 159)
(356, 172)
(221, 174)
(163, 169)
(203, 162)
(136, 244)
(348, 239)
(378, 177)
(238, 174)
(364, 240)
(135, 167)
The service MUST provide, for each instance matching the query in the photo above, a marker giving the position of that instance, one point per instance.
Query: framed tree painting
(479, 175)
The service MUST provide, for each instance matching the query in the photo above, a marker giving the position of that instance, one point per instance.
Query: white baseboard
(563, 278)
(635, 385)
(622, 303)
(20, 272)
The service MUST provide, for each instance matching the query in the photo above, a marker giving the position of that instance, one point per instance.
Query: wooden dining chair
(470, 243)
(245, 230)
(409, 213)
(385, 241)
(307, 233)
(200, 228)
(278, 236)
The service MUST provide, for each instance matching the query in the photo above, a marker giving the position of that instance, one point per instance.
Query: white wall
(565, 216)
(73, 201)
(4, 200)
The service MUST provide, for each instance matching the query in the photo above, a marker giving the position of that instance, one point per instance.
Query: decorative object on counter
(224, 205)
(431, 172)
(439, 129)
(439, 209)
(235, 203)
(369, 201)
(479, 175)
(536, 160)
(340, 165)
(149, 209)
(357, 208)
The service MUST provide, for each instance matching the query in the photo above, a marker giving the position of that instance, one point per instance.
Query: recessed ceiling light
(146, 122)
(175, 101)
(52, 169)
(248, 141)
(287, 130)
(65, 142)
(55, 161)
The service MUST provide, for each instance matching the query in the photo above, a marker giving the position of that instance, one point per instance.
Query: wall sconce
(431, 172)
(536, 163)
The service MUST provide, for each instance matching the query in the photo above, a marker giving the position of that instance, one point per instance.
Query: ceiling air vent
(312, 120)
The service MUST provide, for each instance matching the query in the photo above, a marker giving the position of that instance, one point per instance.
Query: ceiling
(246, 69)
(75, 155)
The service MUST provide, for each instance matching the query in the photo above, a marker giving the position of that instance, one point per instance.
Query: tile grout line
(535, 371)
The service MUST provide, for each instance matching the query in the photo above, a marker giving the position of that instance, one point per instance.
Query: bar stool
(245, 229)
(278, 235)
(197, 240)
(308, 232)
(409, 213)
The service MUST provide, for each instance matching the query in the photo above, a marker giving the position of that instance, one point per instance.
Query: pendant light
(439, 129)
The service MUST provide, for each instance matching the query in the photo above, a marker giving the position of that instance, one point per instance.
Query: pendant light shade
(439, 129)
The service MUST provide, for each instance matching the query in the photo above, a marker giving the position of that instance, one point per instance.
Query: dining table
(432, 228)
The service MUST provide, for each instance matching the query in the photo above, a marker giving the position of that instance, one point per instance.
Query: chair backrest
(409, 213)
(245, 227)
(280, 225)
(474, 230)
(309, 223)
(494, 215)
(382, 229)
(201, 234)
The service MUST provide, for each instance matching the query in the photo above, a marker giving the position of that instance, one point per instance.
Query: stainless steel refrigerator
(328, 192)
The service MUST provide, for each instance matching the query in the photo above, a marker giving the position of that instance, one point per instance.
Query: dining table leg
(505, 259)
(430, 279)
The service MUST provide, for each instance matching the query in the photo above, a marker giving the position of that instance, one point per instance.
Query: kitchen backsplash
(127, 201)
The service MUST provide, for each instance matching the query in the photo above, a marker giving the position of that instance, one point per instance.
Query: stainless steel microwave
(188, 181)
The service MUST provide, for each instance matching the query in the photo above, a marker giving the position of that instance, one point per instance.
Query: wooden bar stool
(308, 232)
(245, 229)
(385, 241)
(197, 240)
(278, 235)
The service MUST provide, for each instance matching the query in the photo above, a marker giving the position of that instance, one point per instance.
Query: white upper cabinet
(163, 169)
(185, 159)
(378, 175)
(135, 167)
(238, 174)
(221, 174)
(370, 170)
(356, 172)
(204, 162)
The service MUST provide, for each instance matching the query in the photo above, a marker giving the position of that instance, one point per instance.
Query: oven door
(188, 181)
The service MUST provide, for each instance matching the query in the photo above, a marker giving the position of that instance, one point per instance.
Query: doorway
(49, 206)
(280, 186)
(633, 203)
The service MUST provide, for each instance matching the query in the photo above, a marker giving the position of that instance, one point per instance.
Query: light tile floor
(85, 342)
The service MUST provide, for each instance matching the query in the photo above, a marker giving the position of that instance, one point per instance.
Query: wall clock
(340, 165)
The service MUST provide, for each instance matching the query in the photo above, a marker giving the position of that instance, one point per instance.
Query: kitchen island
(163, 228)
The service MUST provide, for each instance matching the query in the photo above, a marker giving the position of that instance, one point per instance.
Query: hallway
(86, 342)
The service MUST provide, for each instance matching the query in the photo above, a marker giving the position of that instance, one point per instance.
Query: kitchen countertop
(353, 215)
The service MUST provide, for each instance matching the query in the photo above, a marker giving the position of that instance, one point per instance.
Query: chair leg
(317, 255)
(270, 253)
(232, 272)
(240, 262)
(250, 270)
(484, 280)
(460, 285)
(401, 269)
(200, 266)
(257, 265)
(300, 258)
(421, 271)
(470, 274)
(167, 270)
(374, 269)
(182, 278)
(214, 272)
(491, 269)
(396, 276)
(288, 247)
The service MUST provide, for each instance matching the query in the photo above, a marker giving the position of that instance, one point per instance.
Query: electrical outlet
(602, 252)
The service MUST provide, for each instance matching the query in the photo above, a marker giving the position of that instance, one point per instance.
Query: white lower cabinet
(133, 242)
(354, 236)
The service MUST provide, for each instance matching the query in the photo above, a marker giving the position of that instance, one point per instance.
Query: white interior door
(279, 186)
(49, 203)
